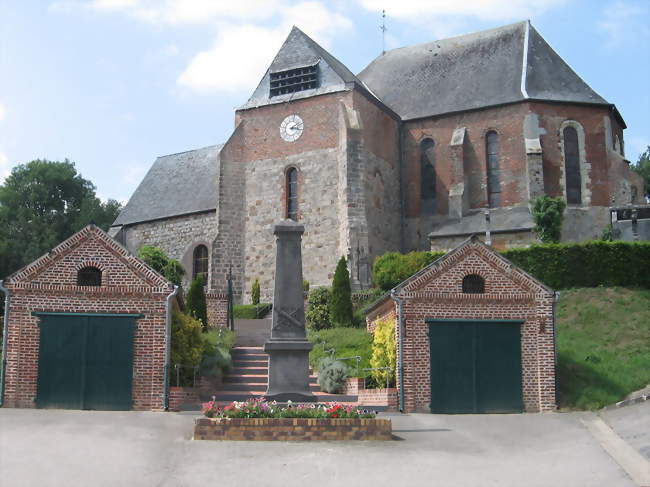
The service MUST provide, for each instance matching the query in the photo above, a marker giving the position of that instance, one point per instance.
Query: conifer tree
(195, 302)
(255, 292)
(341, 300)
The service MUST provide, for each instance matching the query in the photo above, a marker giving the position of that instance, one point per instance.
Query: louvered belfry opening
(293, 80)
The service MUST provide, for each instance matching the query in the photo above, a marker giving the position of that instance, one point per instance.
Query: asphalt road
(86, 448)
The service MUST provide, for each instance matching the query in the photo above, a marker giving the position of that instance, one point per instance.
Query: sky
(112, 84)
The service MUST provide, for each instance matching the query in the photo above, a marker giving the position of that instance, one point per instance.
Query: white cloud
(240, 53)
(3, 112)
(625, 22)
(635, 145)
(482, 9)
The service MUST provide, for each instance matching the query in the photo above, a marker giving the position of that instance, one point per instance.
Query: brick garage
(511, 303)
(47, 288)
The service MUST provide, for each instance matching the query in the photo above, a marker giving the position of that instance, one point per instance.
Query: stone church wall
(177, 236)
(318, 211)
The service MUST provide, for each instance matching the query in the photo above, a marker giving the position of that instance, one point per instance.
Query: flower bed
(257, 419)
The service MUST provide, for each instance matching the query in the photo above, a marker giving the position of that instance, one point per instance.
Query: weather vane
(383, 31)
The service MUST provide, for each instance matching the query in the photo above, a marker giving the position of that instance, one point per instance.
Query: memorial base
(288, 370)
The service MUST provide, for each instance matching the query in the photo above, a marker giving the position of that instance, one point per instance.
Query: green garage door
(85, 361)
(475, 366)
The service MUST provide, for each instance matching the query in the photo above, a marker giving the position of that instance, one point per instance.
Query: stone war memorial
(288, 347)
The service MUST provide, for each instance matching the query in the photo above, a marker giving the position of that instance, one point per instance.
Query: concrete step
(258, 387)
(258, 378)
(248, 370)
(249, 363)
(229, 396)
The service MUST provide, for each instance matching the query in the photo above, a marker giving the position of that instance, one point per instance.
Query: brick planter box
(292, 429)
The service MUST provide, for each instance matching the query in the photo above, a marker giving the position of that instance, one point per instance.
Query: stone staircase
(249, 378)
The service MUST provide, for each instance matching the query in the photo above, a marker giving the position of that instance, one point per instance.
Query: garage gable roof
(473, 246)
(105, 252)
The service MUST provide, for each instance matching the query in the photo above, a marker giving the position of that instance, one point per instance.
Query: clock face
(291, 128)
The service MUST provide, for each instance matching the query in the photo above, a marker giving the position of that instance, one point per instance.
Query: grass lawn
(603, 344)
(346, 342)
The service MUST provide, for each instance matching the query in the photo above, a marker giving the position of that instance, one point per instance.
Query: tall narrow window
(89, 276)
(200, 262)
(292, 194)
(493, 170)
(428, 177)
(572, 166)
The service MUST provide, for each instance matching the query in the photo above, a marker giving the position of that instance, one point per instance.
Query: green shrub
(384, 353)
(250, 311)
(318, 309)
(305, 285)
(255, 292)
(341, 300)
(332, 375)
(156, 258)
(195, 302)
(187, 346)
(217, 346)
(392, 268)
(548, 214)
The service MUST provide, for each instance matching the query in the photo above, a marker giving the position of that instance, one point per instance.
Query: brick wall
(49, 285)
(178, 396)
(217, 304)
(509, 294)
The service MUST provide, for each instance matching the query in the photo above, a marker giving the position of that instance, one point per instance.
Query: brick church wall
(127, 287)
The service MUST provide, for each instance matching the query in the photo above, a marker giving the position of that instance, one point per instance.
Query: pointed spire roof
(492, 67)
(300, 50)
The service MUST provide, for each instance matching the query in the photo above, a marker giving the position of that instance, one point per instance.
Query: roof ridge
(190, 150)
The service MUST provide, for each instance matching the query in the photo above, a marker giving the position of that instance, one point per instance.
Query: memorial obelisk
(288, 347)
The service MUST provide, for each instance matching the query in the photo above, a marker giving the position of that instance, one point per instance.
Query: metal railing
(389, 369)
(177, 373)
(354, 357)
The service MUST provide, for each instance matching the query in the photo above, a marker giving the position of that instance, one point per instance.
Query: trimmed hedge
(559, 266)
(250, 311)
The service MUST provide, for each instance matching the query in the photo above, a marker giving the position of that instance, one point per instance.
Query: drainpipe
(400, 341)
(556, 299)
(168, 344)
(5, 330)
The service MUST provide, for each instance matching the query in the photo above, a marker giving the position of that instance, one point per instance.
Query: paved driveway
(78, 448)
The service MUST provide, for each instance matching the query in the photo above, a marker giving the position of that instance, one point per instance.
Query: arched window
(493, 170)
(473, 284)
(572, 166)
(89, 276)
(427, 177)
(292, 194)
(200, 262)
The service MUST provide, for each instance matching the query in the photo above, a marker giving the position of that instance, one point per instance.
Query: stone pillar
(457, 183)
(288, 347)
(535, 171)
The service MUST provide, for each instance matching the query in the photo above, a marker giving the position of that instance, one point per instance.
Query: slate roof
(472, 71)
(501, 220)
(297, 51)
(176, 184)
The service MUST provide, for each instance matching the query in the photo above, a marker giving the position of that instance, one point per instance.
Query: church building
(406, 155)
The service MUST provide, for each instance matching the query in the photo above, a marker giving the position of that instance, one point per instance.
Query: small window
(473, 284)
(428, 177)
(293, 80)
(292, 194)
(89, 276)
(493, 169)
(200, 262)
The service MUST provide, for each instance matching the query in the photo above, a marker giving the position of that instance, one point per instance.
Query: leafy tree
(41, 204)
(156, 258)
(255, 292)
(548, 214)
(642, 167)
(195, 302)
(341, 300)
